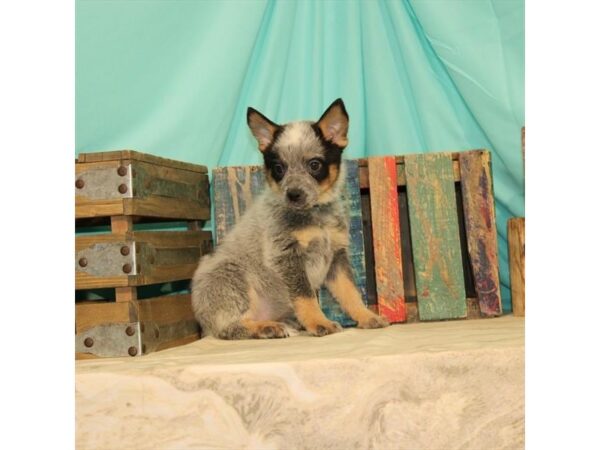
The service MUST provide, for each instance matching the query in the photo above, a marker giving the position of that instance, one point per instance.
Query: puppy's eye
(315, 165)
(278, 169)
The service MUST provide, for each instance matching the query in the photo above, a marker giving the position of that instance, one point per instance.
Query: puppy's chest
(318, 245)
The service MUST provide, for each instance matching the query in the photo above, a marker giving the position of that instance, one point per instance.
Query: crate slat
(385, 219)
(356, 250)
(480, 223)
(516, 254)
(435, 236)
(118, 155)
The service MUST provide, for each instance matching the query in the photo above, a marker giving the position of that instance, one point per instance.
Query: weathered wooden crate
(123, 189)
(422, 233)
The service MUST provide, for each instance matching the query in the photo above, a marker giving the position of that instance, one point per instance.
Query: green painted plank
(435, 236)
(356, 249)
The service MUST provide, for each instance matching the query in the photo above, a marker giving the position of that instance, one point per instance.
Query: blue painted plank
(234, 188)
(356, 250)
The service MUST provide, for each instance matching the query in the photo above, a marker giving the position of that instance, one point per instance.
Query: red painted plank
(480, 224)
(386, 238)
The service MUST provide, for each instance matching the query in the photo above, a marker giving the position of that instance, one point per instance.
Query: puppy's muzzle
(296, 197)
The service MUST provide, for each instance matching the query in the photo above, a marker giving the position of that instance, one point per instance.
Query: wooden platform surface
(431, 337)
(437, 385)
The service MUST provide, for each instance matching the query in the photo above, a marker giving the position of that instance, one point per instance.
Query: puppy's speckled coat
(290, 242)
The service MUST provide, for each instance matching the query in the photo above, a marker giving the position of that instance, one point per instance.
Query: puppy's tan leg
(311, 317)
(254, 329)
(342, 287)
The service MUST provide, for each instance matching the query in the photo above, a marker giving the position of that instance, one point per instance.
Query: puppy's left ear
(334, 124)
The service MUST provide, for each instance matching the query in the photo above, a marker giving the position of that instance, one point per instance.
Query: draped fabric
(174, 78)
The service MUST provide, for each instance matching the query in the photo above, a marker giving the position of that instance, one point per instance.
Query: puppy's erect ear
(262, 128)
(334, 124)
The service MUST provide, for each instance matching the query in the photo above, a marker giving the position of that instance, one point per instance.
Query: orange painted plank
(386, 238)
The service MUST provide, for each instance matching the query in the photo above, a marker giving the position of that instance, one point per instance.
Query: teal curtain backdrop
(174, 78)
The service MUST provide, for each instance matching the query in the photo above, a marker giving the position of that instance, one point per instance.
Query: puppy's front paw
(323, 328)
(270, 330)
(373, 321)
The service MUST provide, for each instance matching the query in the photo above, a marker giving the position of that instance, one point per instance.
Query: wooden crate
(122, 189)
(422, 233)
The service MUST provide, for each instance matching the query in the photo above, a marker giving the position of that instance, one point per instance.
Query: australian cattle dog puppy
(263, 277)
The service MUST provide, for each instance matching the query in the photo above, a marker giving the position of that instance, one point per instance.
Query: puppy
(293, 239)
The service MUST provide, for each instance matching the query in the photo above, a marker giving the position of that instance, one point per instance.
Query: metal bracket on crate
(105, 183)
(131, 339)
(111, 340)
(110, 259)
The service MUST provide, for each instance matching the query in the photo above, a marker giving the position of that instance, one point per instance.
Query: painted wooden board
(480, 224)
(435, 236)
(516, 255)
(234, 188)
(387, 251)
(356, 250)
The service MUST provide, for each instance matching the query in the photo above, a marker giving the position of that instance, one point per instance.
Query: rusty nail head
(125, 250)
(88, 342)
(127, 268)
(79, 183)
(129, 331)
(83, 262)
(122, 170)
(122, 188)
(132, 351)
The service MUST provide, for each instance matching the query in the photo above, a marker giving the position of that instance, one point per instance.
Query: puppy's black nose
(295, 195)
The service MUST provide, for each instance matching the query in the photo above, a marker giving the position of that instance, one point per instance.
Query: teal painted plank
(356, 250)
(435, 236)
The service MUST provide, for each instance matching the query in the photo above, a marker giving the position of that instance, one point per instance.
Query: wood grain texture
(356, 249)
(385, 219)
(480, 224)
(125, 294)
(516, 255)
(435, 236)
(234, 188)
(117, 155)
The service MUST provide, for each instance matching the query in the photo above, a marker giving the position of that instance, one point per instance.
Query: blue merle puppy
(263, 278)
